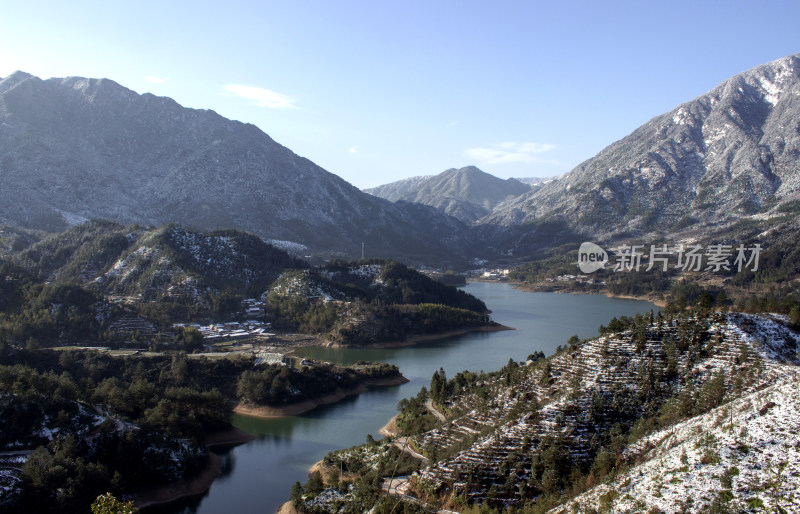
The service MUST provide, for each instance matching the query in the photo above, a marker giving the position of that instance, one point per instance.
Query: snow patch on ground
(287, 246)
(749, 447)
(72, 219)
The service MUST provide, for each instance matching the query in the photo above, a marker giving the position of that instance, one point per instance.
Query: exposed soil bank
(390, 429)
(295, 409)
(657, 302)
(326, 470)
(287, 508)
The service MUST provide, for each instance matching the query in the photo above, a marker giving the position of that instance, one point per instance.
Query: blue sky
(376, 91)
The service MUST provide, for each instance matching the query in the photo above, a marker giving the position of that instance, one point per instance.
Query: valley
(194, 317)
(294, 444)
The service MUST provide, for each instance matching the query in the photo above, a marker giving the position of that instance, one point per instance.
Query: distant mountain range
(75, 149)
(467, 193)
(537, 181)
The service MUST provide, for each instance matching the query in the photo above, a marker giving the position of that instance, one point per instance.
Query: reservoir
(258, 476)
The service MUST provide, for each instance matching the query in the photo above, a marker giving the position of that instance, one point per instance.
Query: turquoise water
(258, 476)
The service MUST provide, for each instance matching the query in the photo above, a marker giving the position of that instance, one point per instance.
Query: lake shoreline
(200, 482)
(539, 321)
(231, 437)
(425, 338)
(325, 471)
(180, 489)
(526, 287)
(295, 409)
(390, 429)
(287, 508)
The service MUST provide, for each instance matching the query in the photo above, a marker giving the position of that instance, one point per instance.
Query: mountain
(466, 193)
(733, 483)
(731, 153)
(396, 190)
(173, 273)
(75, 149)
(150, 264)
(536, 181)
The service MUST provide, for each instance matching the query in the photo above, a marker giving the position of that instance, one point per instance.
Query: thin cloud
(511, 151)
(156, 80)
(261, 97)
(454, 123)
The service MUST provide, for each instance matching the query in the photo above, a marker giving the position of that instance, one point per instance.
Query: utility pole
(362, 250)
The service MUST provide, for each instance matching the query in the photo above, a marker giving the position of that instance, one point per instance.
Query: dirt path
(402, 444)
(441, 417)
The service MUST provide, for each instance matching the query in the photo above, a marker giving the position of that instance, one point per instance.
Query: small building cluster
(575, 278)
(253, 308)
(219, 332)
(495, 274)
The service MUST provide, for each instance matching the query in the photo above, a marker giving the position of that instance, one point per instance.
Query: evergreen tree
(108, 504)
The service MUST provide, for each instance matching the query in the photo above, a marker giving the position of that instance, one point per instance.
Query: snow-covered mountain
(75, 149)
(466, 193)
(728, 154)
(396, 190)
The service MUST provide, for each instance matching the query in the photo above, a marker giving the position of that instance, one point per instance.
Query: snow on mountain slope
(466, 193)
(730, 153)
(742, 456)
(78, 148)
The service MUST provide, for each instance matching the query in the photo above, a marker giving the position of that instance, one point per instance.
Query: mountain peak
(14, 79)
(467, 193)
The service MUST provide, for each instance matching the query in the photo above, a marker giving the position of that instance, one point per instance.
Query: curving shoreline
(655, 301)
(201, 482)
(539, 288)
(390, 429)
(179, 489)
(232, 437)
(424, 338)
(287, 508)
(295, 409)
(325, 472)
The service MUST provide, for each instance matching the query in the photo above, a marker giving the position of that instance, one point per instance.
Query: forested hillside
(535, 434)
(75, 424)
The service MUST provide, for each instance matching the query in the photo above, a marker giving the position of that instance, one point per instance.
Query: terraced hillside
(740, 457)
(660, 371)
(535, 435)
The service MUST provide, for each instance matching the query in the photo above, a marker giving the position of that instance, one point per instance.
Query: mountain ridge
(76, 149)
(730, 153)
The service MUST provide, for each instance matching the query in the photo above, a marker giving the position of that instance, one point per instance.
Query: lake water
(257, 477)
